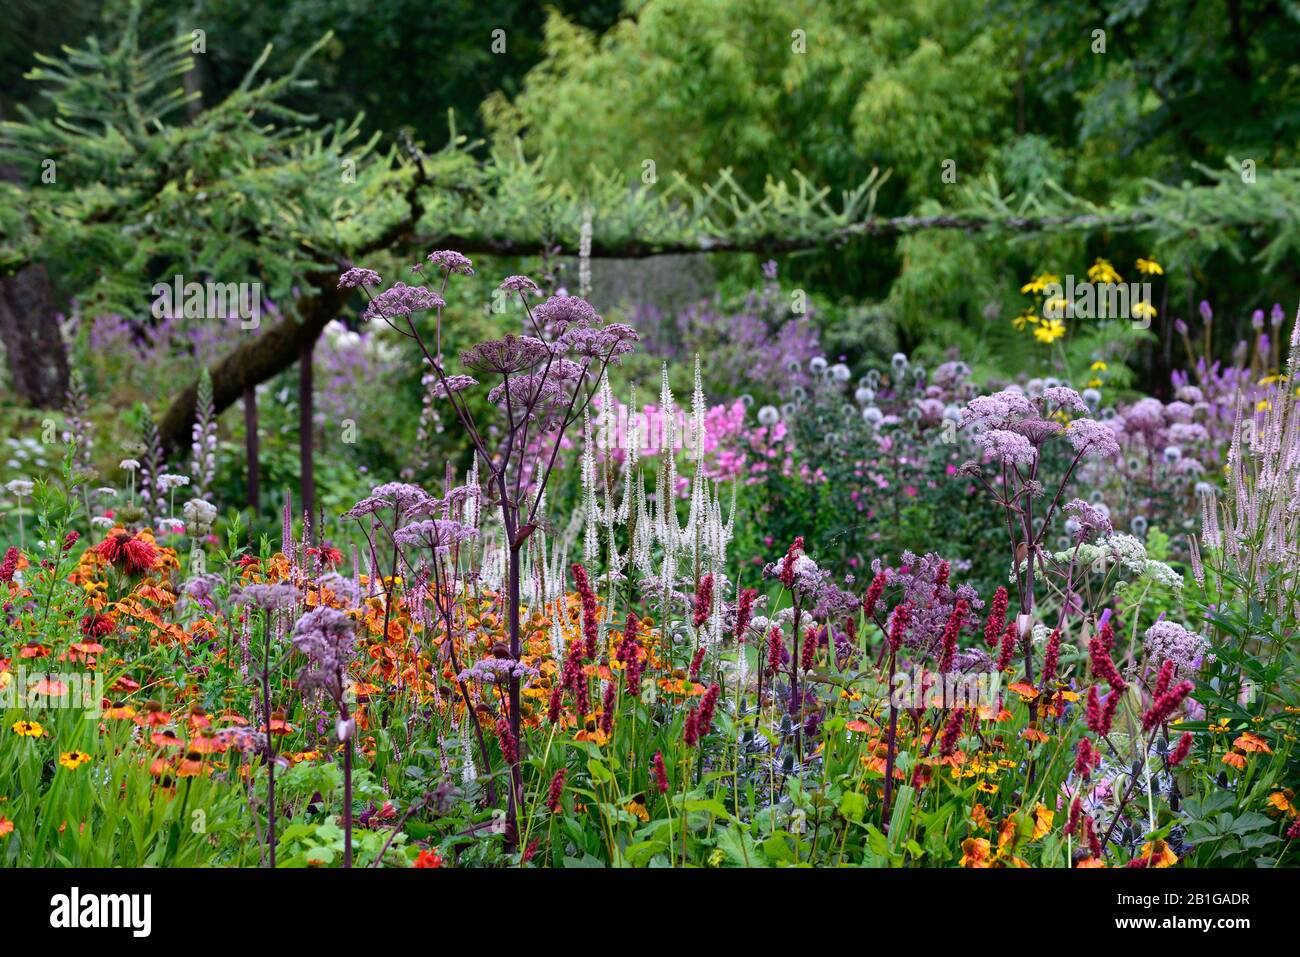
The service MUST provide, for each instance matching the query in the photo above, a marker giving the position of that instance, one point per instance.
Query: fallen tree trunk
(257, 360)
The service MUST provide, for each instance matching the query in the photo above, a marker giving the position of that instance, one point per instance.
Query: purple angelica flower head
(611, 341)
(435, 533)
(985, 411)
(1169, 641)
(399, 299)
(996, 411)
(930, 597)
(1037, 431)
(1094, 439)
(356, 276)
(521, 285)
(505, 356)
(452, 261)
(433, 507)
(367, 506)
(401, 494)
(497, 671)
(199, 589)
(1091, 520)
(1009, 448)
(324, 635)
(534, 388)
(452, 383)
(563, 312)
(267, 597)
(1064, 399)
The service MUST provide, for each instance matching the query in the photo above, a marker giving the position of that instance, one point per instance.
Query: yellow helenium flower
(1039, 283)
(73, 759)
(28, 729)
(1049, 331)
(1143, 310)
(1103, 272)
(1149, 267)
(1026, 318)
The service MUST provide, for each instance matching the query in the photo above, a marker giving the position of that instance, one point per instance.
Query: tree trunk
(257, 360)
(251, 451)
(34, 352)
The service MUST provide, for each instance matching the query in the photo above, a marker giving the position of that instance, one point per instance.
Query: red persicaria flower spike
(745, 613)
(627, 647)
(556, 791)
(874, 591)
(581, 699)
(661, 773)
(70, 539)
(1052, 656)
(708, 704)
(9, 565)
(1076, 811)
(775, 650)
(1009, 638)
(1162, 680)
(787, 563)
(1102, 666)
(590, 623)
(1093, 711)
(1106, 635)
(509, 744)
(556, 702)
(1108, 712)
(950, 633)
(1164, 706)
(607, 709)
(1181, 750)
(1086, 758)
(696, 661)
(951, 734)
(635, 669)
(898, 626)
(1293, 832)
(1090, 835)
(691, 730)
(703, 600)
(809, 653)
(996, 622)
